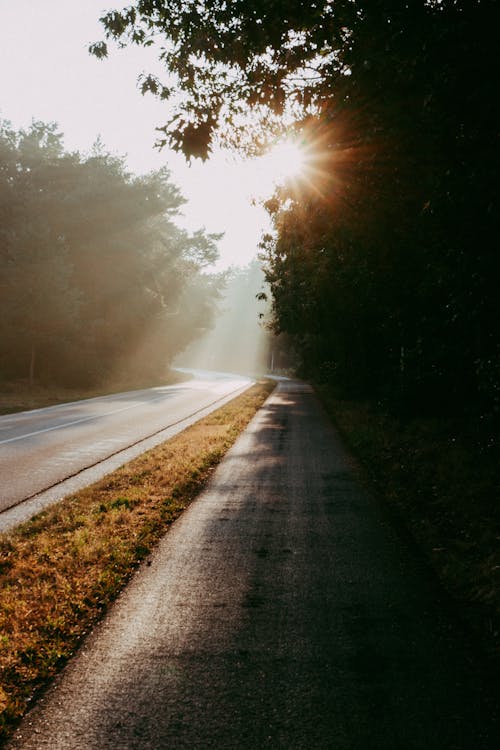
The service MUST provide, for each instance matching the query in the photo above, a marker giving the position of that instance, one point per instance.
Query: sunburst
(285, 161)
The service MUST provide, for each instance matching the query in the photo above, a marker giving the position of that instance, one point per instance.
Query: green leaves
(99, 50)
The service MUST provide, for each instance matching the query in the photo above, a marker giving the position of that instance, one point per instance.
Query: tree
(383, 269)
(278, 58)
(39, 305)
(228, 58)
(96, 278)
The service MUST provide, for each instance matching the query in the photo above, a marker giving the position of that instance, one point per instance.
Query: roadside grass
(61, 570)
(444, 491)
(19, 395)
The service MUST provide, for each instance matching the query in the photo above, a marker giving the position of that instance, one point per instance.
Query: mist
(239, 341)
(98, 283)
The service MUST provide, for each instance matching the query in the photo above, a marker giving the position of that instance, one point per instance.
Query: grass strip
(61, 570)
(442, 487)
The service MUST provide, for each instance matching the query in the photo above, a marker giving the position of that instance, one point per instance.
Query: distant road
(42, 448)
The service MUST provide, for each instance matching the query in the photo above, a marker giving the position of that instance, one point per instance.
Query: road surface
(40, 449)
(280, 611)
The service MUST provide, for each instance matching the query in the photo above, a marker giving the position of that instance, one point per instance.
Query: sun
(285, 161)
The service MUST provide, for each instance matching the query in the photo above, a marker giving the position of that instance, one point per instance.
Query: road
(280, 611)
(40, 449)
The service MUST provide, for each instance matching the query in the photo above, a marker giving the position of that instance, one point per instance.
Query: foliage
(383, 265)
(223, 59)
(96, 278)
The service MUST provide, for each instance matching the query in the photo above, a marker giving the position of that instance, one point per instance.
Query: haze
(48, 75)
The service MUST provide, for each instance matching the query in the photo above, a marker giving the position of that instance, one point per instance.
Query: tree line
(96, 279)
(383, 266)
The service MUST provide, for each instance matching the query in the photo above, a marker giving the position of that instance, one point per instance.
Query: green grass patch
(444, 488)
(61, 570)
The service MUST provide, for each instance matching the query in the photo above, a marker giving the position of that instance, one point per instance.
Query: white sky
(46, 73)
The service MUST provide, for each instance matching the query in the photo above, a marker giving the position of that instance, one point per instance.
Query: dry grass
(59, 571)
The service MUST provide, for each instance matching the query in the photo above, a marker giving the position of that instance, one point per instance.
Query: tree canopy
(288, 58)
(96, 279)
(224, 60)
(383, 265)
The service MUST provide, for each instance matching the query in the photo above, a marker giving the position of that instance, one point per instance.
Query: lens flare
(285, 161)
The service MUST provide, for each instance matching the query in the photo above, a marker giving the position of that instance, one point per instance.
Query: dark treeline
(384, 271)
(96, 280)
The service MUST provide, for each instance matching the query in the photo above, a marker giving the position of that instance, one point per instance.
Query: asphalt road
(280, 611)
(39, 449)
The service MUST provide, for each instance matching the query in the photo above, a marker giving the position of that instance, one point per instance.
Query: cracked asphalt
(282, 610)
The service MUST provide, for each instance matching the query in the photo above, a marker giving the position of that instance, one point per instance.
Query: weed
(123, 502)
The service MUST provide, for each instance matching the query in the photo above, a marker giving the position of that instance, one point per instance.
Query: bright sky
(47, 74)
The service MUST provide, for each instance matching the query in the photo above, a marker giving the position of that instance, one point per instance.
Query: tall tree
(96, 277)
(392, 279)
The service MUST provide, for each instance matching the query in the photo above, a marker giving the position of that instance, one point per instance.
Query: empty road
(280, 611)
(40, 449)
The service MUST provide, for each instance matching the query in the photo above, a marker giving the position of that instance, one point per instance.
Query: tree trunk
(32, 365)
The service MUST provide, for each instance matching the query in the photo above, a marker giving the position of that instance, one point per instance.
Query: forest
(383, 263)
(96, 280)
